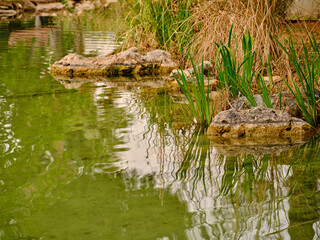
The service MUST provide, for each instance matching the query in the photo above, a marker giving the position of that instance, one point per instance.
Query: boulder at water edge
(126, 63)
(258, 122)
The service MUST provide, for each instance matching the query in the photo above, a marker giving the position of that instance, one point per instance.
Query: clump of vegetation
(234, 74)
(307, 72)
(193, 87)
(201, 29)
(192, 26)
(165, 24)
(237, 75)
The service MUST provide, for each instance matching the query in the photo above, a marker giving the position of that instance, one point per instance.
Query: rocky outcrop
(258, 122)
(10, 9)
(288, 103)
(16, 9)
(19, 8)
(126, 63)
(304, 10)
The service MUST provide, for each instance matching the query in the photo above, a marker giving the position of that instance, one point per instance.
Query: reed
(165, 24)
(306, 68)
(198, 101)
(233, 73)
(264, 90)
(215, 18)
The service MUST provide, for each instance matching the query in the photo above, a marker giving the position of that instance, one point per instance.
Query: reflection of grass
(195, 158)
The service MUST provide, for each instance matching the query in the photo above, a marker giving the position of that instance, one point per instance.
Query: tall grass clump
(236, 71)
(198, 100)
(260, 18)
(165, 24)
(186, 27)
(303, 89)
(236, 74)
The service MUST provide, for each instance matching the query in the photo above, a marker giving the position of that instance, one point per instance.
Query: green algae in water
(100, 162)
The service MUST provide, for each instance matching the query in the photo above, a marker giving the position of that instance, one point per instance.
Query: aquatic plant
(166, 23)
(193, 87)
(184, 27)
(234, 74)
(306, 71)
(263, 90)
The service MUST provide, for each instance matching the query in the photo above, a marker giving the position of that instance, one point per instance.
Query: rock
(7, 13)
(303, 10)
(173, 86)
(288, 103)
(47, 7)
(126, 63)
(190, 71)
(84, 6)
(29, 6)
(258, 122)
(18, 5)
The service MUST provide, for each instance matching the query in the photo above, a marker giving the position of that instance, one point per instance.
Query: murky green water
(107, 162)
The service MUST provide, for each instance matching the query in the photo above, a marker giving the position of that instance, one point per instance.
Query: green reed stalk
(193, 87)
(233, 75)
(306, 72)
(168, 21)
(264, 91)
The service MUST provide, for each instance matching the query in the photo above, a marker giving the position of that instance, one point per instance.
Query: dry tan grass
(261, 18)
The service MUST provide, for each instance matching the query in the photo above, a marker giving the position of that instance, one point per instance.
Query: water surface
(106, 161)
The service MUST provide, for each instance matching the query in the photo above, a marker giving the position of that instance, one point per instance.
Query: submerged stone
(126, 63)
(258, 122)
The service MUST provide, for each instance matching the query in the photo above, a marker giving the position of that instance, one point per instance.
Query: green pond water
(104, 160)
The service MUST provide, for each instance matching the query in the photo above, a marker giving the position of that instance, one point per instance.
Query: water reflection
(245, 196)
(119, 159)
(270, 192)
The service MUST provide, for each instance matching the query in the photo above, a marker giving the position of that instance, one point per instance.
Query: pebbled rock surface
(126, 63)
(258, 122)
(288, 103)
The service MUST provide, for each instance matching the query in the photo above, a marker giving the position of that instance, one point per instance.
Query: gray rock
(258, 122)
(7, 13)
(126, 63)
(29, 6)
(288, 103)
(48, 7)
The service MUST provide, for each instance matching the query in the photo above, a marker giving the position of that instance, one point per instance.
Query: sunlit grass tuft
(198, 100)
(306, 69)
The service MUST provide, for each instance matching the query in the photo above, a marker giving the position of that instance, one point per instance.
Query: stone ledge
(126, 63)
(258, 122)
